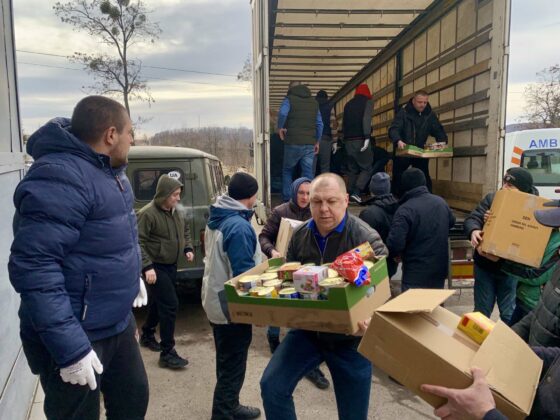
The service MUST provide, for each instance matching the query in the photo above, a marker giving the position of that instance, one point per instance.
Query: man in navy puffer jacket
(76, 263)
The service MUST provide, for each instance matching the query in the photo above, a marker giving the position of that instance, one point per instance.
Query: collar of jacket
(295, 208)
(415, 192)
(313, 227)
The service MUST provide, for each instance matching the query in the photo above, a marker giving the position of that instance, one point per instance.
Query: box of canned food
(320, 300)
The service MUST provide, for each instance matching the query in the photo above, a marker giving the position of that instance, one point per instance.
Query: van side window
(544, 165)
(145, 181)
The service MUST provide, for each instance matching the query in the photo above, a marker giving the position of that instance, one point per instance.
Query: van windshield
(544, 165)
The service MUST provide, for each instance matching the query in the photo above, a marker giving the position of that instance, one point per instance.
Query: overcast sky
(211, 36)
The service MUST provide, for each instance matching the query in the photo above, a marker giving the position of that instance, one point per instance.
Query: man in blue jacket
(75, 261)
(419, 234)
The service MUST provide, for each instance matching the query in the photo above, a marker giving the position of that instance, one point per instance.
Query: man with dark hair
(75, 261)
(419, 234)
(412, 125)
(300, 127)
(231, 249)
(356, 127)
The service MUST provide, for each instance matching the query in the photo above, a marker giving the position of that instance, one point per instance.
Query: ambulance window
(544, 165)
(145, 181)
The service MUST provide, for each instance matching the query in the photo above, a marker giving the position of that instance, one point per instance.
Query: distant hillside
(231, 145)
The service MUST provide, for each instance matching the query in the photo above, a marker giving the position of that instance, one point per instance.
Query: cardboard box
(285, 232)
(512, 232)
(413, 151)
(345, 307)
(416, 341)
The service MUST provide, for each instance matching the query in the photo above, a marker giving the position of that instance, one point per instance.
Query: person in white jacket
(231, 249)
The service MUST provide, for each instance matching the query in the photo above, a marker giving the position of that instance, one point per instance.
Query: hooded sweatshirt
(75, 258)
(231, 249)
(163, 234)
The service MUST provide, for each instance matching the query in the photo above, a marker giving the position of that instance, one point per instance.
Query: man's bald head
(329, 201)
(328, 179)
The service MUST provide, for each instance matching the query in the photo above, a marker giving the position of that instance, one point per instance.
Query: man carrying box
(491, 284)
(230, 249)
(331, 232)
(298, 209)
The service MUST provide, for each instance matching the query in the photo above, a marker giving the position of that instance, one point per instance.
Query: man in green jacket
(164, 235)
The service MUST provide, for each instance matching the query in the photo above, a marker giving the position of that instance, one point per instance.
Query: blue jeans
(490, 287)
(294, 154)
(301, 351)
(273, 332)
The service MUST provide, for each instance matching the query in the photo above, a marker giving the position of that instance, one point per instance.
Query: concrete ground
(188, 393)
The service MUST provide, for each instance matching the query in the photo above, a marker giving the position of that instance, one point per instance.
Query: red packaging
(350, 265)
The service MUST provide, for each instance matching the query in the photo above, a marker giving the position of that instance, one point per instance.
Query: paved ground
(188, 393)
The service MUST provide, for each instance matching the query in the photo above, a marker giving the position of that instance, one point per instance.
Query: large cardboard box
(345, 307)
(285, 232)
(413, 151)
(416, 341)
(512, 232)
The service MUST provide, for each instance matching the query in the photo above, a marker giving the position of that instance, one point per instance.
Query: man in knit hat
(164, 237)
(356, 128)
(381, 209)
(419, 234)
(491, 284)
(231, 249)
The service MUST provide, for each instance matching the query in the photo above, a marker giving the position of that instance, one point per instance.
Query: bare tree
(543, 98)
(246, 73)
(119, 24)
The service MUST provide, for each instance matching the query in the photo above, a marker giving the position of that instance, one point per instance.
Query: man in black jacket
(356, 127)
(380, 210)
(491, 284)
(419, 234)
(412, 125)
(331, 232)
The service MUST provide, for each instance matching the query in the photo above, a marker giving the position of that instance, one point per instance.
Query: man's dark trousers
(232, 343)
(163, 304)
(401, 164)
(124, 383)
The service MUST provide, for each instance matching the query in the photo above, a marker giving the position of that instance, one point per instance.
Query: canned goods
(287, 284)
(268, 276)
(277, 284)
(242, 293)
(327, 284)
(248, 282)
(288, 293)
(287, 270)
(332, 273)
(272, 269)
(266, 292)
(308, 296)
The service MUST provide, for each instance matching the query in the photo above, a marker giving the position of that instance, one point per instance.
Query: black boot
(318, 379)
(172, 360)
(244, 412)
(150, 342)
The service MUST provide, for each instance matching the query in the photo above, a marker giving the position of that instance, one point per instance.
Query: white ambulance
(538, 151)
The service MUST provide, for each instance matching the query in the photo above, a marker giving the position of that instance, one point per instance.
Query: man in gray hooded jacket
(231, 249)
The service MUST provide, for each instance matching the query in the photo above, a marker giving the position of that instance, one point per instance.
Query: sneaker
(318, 379)
(244, 412)
(150, 342)
(273, 343)
(355, 198)
(172, 360)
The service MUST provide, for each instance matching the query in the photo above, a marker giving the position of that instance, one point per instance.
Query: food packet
(350, 265)
(366, 252)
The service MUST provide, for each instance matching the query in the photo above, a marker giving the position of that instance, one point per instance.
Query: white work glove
(366, 145)
(334, 147)
(83, 371)
(142, 298)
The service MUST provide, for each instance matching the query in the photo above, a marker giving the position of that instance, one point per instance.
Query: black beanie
(520, 178)
(242, 185)
(412, 178)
